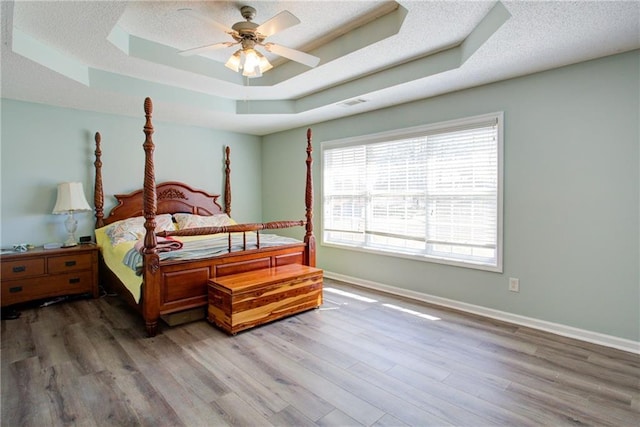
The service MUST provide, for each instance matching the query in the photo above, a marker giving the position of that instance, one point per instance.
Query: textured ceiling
(107, 56)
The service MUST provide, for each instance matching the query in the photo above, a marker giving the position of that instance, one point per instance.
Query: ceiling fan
(248, 35)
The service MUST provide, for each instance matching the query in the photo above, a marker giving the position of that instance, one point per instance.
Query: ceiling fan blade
(208, 20)
(292, 54)
(206, 48)
(281, 21)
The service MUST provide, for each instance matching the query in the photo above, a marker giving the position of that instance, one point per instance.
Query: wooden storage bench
(244, 300)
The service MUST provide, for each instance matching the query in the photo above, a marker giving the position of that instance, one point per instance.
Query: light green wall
(572, 192)
(42, 146)
(571, 199)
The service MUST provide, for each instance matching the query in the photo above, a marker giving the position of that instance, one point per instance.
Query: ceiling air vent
(352, 102)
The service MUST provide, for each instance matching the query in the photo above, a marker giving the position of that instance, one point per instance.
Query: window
(432, 193)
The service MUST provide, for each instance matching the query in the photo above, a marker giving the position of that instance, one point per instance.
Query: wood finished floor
(352, 362)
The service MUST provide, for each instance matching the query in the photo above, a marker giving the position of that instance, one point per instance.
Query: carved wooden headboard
(172, 197)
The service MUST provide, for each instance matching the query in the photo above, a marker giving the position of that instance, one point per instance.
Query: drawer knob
(74, 280)
(15, 289)
(19, 269)
(70, 263)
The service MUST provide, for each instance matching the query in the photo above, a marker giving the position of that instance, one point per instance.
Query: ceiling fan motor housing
(246, 30)
(245, 27)
(248, 12)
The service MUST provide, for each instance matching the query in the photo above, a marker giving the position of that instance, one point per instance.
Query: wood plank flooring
(363, 358)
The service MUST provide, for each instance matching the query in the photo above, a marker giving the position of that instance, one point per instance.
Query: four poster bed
(165, 247)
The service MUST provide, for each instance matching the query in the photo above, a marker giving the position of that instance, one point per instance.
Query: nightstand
(44, 273)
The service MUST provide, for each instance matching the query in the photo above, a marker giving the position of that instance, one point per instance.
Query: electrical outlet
(514, 284)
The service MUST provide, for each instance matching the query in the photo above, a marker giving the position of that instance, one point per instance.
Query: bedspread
(125, 262)
(208, 246)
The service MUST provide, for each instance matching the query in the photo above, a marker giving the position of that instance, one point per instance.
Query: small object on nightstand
(52, 245)
(85, 240)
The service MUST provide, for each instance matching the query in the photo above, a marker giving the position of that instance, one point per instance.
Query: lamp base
(71, 224)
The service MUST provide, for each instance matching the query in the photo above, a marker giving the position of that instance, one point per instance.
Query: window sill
(415, 257)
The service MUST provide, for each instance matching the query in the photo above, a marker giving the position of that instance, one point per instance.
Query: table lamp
(70, 199)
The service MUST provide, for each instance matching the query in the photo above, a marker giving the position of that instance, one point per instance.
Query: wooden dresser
(45, 273)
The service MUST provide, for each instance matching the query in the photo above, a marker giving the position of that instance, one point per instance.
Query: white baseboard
(555, 328)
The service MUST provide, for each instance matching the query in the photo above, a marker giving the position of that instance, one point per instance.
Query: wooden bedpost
(227, 182)
(151, 279)
(98, 191)
(309, 238)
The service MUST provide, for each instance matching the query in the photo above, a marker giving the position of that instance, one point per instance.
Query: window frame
(416, 132)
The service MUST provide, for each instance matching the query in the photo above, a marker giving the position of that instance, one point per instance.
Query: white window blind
(432, 192)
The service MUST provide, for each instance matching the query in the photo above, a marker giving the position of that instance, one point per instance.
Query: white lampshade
(70, 198)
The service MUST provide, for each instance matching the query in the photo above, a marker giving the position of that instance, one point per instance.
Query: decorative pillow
(133, 228)
(185, 220)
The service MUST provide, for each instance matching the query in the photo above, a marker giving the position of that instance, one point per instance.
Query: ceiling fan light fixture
(249, 34)
(234, 61)
(264, 63)
(253, 63)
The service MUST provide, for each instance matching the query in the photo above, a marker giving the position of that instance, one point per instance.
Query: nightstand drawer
(22, 268)
(30, 289)
(45, 273)
(61, 264)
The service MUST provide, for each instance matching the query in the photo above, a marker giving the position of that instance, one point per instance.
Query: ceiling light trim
(487, 27)
(374, 31)
(414, 70)
(158, 53)
(266, 107)
(114, 82)
(29, 47)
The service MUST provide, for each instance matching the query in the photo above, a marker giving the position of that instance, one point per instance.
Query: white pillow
(131, 229)
(185, 220)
